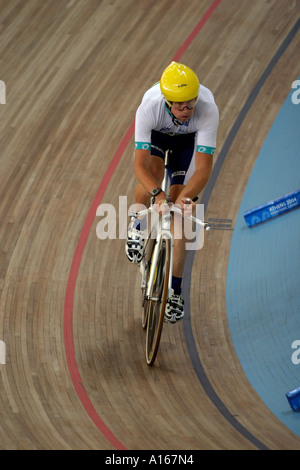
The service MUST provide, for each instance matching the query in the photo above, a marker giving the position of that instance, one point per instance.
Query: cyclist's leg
(175, 304)
(180, 231)
(181, 162)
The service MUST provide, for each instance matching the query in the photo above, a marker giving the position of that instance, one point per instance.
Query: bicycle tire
(144, 309)
(148, 257)
(157, 302)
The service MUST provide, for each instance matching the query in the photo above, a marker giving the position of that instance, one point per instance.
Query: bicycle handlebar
(173, 208)
(191, 217)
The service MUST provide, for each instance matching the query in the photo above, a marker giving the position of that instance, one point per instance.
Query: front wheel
(148, 258)
(156, 303)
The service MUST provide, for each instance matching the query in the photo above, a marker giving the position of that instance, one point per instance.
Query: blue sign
(272, 209)
(294, 398)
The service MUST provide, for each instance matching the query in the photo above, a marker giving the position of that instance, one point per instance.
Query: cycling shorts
(183, 149)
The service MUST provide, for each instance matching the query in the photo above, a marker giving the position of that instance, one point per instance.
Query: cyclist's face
(183, 110)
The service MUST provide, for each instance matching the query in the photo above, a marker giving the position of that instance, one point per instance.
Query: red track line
(71, 284)
(196, 30)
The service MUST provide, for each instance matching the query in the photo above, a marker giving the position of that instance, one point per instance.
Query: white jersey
(153, 114)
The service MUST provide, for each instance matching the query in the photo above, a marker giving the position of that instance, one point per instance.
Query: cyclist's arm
(142, 173)
(206, 143)
(198, 181)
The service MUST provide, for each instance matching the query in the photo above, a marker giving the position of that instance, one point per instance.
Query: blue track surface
(263, 277)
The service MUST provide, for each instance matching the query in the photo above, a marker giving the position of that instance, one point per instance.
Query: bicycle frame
(163, 232)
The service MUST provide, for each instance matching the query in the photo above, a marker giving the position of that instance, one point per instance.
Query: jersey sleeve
(143, 127)
(206, 138)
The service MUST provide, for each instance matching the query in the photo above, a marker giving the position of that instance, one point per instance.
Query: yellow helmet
(179, 83)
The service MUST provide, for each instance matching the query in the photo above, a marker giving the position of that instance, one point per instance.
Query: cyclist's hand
(186, 205)
(160, 205)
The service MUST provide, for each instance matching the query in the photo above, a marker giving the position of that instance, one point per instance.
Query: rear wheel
(156, 303)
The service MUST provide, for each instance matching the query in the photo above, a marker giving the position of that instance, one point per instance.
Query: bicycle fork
(163, 235)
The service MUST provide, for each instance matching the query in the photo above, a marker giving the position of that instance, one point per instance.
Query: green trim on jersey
(203, 149)
(143, 146)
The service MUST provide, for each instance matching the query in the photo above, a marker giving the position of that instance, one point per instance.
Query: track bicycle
(156, 266)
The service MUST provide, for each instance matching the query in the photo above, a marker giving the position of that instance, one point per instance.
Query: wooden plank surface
(75, 73)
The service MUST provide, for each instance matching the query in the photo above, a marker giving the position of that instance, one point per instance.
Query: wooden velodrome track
(75, 71)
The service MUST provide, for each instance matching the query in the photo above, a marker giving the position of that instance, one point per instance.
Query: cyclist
(181, 115)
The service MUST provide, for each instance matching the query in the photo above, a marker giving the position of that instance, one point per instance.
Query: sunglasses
(180, 106)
